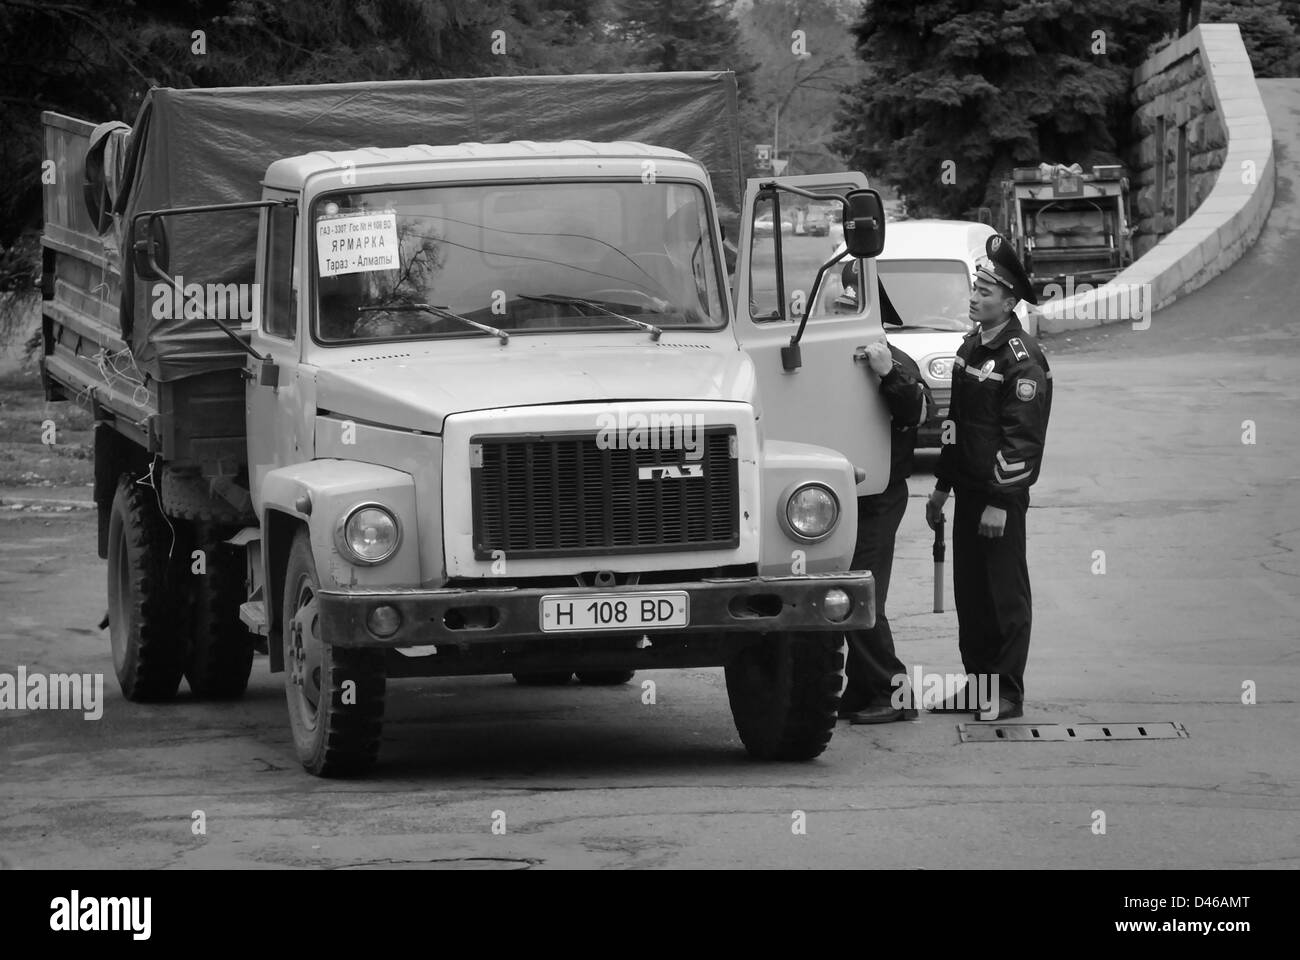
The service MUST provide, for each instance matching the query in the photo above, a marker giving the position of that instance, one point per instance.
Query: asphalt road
(1200, 596)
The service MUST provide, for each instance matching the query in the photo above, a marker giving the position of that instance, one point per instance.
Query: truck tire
(605, 678)
(785, 692)
(144, 621)
(221, 648)
(335, 694)
(542, 679)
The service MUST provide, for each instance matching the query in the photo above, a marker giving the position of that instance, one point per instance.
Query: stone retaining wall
(1198, 95)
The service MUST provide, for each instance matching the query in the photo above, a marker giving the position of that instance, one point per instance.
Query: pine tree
(1291, 10)
(1271, 38)
(956, 92)
(685, 35)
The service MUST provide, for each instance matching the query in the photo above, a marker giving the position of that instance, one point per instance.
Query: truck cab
(511, 404)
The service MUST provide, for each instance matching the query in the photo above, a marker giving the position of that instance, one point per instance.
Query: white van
(925, 272)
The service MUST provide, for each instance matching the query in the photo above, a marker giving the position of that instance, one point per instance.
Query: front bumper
(488, 616)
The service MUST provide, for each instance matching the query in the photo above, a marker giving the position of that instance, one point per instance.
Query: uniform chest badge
(1026, 389)
(986, 370)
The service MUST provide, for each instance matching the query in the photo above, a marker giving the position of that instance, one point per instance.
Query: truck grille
(562, 495)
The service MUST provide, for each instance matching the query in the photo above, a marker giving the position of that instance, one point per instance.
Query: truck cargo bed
(197, 420)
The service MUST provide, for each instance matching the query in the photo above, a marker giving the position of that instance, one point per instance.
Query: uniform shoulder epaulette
(1018, 348)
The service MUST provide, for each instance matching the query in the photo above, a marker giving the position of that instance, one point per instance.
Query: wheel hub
(303, 653)
(295, 652)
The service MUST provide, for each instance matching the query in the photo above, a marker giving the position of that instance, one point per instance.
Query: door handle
(860, 355)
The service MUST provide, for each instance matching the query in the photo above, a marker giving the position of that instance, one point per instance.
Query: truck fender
(785, 466)
(318, 495)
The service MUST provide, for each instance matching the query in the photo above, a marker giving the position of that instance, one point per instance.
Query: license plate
(615, 612)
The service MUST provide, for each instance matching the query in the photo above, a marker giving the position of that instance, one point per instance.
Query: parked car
(817, 222)
(763, 225)
(925, 272)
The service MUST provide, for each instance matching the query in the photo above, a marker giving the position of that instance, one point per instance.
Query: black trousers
(991, 586)
(872, 663)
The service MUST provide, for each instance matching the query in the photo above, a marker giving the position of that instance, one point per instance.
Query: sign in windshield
(515, 257)
(356, 243)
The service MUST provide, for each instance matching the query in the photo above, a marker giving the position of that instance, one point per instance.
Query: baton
(938, 565)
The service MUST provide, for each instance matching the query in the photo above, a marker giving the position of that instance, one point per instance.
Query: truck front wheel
(144, 622)
(785, 692)
(335, 694)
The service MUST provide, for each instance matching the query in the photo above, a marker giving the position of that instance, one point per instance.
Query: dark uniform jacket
(1001, 399)
(908, 399)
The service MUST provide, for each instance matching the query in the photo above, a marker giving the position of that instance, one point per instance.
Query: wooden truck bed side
(195, 421)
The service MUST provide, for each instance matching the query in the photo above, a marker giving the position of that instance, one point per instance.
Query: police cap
(1003, 267)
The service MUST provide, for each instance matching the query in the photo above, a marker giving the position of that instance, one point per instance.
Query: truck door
(831, 399)
(273, 414)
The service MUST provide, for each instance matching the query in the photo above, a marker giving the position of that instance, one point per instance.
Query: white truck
(396, 408)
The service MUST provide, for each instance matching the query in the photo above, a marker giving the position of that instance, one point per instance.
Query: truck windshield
(934, 294)
(516, 257)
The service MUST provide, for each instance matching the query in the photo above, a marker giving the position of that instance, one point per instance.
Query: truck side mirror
(864, 224)
(149, 254)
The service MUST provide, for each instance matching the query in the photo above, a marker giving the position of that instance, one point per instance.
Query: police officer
(872, 664)
(1001, 400)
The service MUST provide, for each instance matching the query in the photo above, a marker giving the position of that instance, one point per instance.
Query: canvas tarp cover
(207, 146)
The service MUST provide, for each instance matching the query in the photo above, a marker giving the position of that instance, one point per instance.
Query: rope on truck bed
(109, 369)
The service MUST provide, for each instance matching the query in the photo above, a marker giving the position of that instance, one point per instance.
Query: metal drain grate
(992, 732)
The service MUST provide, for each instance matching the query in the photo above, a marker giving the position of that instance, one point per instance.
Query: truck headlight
(368, 534)
(941, 368)
(812, 511)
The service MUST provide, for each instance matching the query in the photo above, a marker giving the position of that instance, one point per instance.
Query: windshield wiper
(443, 312)
(655, 332)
